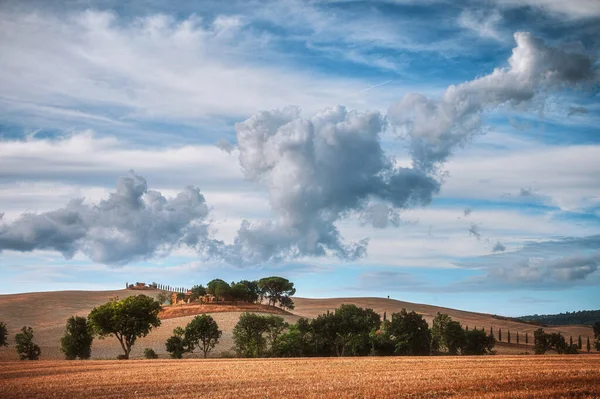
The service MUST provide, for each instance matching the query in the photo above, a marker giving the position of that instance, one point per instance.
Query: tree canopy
(411, 333)
(78, 338)
(26, 349)
(127, 319)
(202, 332)
(277, 290)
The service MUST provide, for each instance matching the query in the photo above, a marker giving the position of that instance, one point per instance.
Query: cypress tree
(492, 331)
(384, 316)
(588, 344)
(526, 338)
(571, 340)
(579, 343)
(466, 328)
(508, 336)
(517, 337)
(500, 334)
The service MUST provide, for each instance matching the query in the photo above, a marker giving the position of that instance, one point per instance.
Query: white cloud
(102, 68)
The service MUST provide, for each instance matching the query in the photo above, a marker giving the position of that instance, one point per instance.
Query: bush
(26, 349)
(150, 354)
(77, 341)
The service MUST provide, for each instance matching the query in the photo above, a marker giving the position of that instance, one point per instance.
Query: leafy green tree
(438, 329)
(275, 329)
(248, 291)
(411, 333)
(3, 334)
(454, 337)
(150, 354)
(197, 292)
(26, 349)
(477, 342)
(202, 332)
(540, 342)
(127, 319)
(589, 347)
(78, 338)
(219, 288)
(176, 345)
(275, 289)
(248, 335)
(297, 340)
(346, 330)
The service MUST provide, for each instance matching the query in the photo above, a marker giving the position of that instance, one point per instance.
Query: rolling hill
(47, 313)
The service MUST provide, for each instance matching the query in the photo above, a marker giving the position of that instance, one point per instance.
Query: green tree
(78, 338)
(296, 341)
(346, 330)
(589, 347)
(508, 336)
(275, 289)
(127, 319)
(197, 292)
(411, 333)
(478, 343)
(26, 349)
(276, 326)
(438, 330)
(248, 335)
(454, 337)
(579, 343)
(3, 334)
(596, 328)
(219, 288)
(499, 335)
(526, 338)
(540, 342)
(176, 345)
(202, 332)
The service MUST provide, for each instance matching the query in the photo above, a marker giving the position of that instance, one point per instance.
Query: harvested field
(372, 377)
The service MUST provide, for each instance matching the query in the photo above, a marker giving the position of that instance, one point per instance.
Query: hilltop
(47, 313)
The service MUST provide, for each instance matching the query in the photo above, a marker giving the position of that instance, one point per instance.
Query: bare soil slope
(366, 377)
(47, 313)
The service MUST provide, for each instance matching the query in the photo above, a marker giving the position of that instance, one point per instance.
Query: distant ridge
(582, 317)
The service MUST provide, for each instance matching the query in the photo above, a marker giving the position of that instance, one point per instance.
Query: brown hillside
(47, 313)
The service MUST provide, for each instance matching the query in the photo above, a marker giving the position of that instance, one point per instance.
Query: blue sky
(435, 151)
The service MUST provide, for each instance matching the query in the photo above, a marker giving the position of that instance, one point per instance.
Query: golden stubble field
(367, 377)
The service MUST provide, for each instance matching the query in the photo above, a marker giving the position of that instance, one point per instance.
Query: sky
(436, 151)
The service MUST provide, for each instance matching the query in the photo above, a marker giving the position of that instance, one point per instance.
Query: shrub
(150, 354)
(26, 349)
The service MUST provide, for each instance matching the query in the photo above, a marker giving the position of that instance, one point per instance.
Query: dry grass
(370, 377)
(47, 313)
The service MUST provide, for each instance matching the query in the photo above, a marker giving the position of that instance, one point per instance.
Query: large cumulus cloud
(317, 171)
(133, 223)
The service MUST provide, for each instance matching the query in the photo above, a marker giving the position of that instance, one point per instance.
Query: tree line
(347, 331)
(585, 317)
(276, 290)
